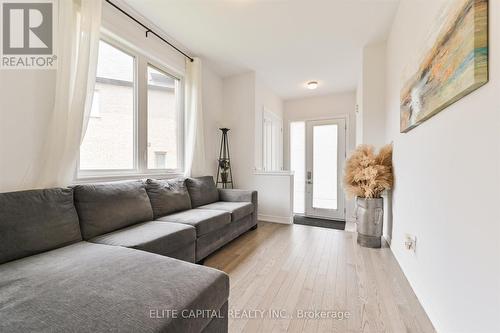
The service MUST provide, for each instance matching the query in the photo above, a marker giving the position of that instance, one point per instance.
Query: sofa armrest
(237, 195)
(241, 196)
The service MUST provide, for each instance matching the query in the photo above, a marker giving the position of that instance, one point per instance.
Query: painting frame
(452, 68)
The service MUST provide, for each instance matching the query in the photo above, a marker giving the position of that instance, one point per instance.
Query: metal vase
(370, 220)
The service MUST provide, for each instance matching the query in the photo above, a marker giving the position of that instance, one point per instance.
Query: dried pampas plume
(367, 175)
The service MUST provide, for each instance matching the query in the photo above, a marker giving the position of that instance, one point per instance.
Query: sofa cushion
(35, 221)
(87, 287)
(107, 207)
(154, 237)
(168, 196)
(237, 209)
(204, 220)
(208, 243)
(202, 190)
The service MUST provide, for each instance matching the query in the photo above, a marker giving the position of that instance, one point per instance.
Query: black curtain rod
(148, 30)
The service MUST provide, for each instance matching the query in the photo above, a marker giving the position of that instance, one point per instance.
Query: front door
(325, 157)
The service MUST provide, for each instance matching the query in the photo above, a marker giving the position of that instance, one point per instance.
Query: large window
(135, 125)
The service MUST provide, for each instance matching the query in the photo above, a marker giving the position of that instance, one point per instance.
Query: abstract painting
(455, 64)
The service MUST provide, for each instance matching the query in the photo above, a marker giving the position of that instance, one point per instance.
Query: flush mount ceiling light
(311, 85)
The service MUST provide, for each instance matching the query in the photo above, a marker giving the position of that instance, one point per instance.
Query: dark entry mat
(314, 222)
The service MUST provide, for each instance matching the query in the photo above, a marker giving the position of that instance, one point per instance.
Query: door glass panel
(325, 166)
(298, 164)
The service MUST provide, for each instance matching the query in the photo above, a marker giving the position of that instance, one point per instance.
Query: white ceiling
(286, 42)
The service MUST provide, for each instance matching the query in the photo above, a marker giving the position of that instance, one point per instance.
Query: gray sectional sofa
(118, 257)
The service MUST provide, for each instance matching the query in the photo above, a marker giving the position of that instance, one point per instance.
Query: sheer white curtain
(195, 162)
(78, 43)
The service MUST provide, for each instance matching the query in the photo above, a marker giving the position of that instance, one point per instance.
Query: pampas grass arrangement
(367, 175)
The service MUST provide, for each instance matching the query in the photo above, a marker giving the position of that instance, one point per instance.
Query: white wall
(316, 108)
(245, 96)
(212, 101)
(239, 116)
(447, 180)
(372, 125)
(359, 111)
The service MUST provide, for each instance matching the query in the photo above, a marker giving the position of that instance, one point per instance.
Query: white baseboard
(276, 219)
(387, 239)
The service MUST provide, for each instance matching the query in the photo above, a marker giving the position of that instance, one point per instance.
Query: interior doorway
(317, 157)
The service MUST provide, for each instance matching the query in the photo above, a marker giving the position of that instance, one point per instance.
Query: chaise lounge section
(118, 256)
(87, 287)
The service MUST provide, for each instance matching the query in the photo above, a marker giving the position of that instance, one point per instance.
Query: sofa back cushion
(36, 221)
(202, 191)
(107, 207)
(168, 196)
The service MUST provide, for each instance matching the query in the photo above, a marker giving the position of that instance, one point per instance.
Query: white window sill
(273, 173)
(81, 179)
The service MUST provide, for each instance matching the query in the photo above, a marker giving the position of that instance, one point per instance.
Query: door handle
(309, 177)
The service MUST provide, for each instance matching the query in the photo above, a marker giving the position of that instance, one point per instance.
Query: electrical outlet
(410, 242)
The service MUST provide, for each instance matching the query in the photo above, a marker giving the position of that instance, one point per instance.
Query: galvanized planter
(370, 219)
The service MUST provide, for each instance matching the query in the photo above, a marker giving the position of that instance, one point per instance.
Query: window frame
(179, 96)
(140, 165)
(276, 123)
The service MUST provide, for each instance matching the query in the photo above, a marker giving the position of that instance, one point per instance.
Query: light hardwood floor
(278, 272)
